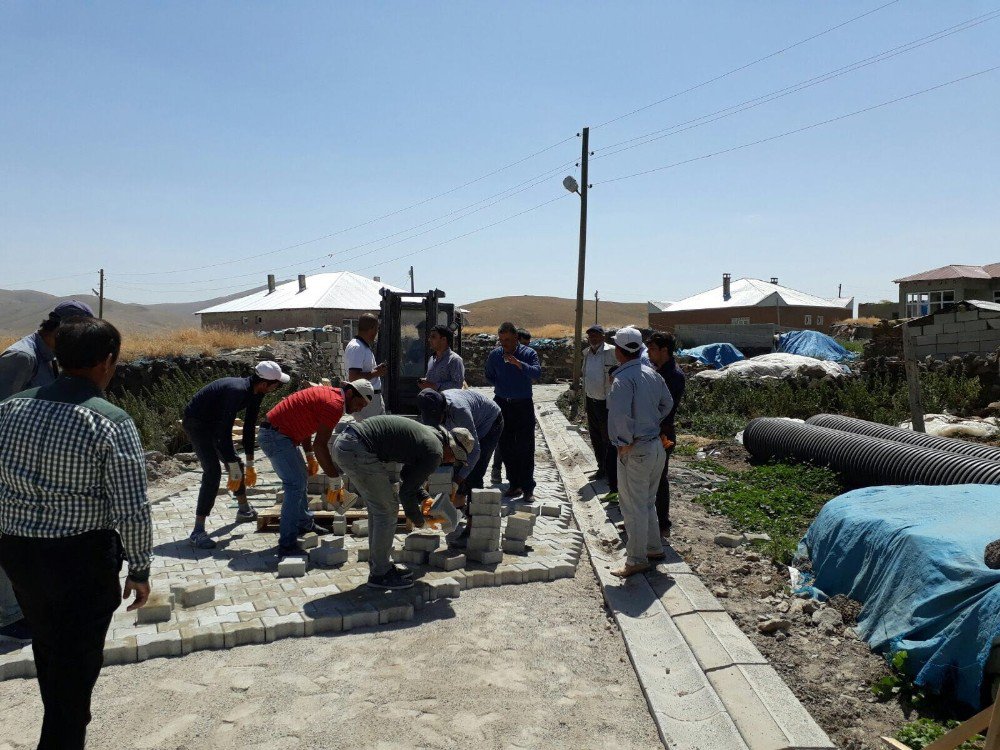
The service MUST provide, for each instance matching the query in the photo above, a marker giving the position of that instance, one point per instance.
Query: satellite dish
(570, 184)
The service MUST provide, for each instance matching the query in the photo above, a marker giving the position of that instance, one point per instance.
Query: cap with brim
(268, 370)
(362, 387)
(431, 405)
(629, 339)
(461, 441)
(596, 329)
(71, 309)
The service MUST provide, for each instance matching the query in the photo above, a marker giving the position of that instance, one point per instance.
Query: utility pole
(581, 264)
(99, 293)
(840, 288)
(912, 380)
(412, 287)
(597, 298)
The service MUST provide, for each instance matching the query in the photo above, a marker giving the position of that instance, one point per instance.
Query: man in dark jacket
(208, 422)
(661, 348)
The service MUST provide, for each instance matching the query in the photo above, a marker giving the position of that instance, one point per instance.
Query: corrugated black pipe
(873, 429)
(862, 460)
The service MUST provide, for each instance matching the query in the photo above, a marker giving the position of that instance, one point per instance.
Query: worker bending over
(301, 421)
(362, 453)
(208, 422)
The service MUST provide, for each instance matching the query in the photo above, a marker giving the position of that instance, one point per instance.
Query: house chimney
(270, 283)
(774, 280)
(725, 286)
(377, 278)
(302, 282)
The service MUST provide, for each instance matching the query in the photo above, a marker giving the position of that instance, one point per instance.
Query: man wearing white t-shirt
(359, 359)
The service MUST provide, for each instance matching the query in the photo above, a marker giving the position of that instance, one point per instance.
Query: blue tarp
(814, 344)
(913, 556)
(717, 355)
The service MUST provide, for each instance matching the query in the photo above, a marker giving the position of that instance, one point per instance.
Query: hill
(21, 310)
(550, 316)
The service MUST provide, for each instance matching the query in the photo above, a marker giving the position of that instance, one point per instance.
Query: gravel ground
(529, 666)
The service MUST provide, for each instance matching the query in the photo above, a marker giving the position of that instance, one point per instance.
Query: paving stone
(120, 651)
(519, 526)
(482, 545)
(508, 574)
(193, 594)
(484, 532)
(309, 541)
(413, 557)
(444, 588)
(549, 509)
(154, 645)
(446, 559)
(684, 593)
(243, 633)
(327, 557)
(487, 496)
(514, 546)
(339, 527)
(158, 608)
(485, 511)
(534, 572)
(359, 528)
(201, 638)
(487, 522)
(17, 665)
(362, 615)
(393, 611)
(323, 616)
(292, 567)
(283, 626)
(331, 542)
(423, 542)
(563, 570)
(364, 554)
(486, 557)
(716, 641)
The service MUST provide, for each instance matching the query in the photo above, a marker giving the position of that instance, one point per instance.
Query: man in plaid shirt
(72, 505)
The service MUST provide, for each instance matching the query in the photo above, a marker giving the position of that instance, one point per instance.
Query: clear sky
(149, 138)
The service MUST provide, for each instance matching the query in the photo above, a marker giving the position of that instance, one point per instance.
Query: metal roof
(756, 293)
(652, 306)
(991, 271)
(342, 290)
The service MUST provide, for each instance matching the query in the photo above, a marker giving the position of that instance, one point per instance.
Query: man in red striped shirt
(306, 419)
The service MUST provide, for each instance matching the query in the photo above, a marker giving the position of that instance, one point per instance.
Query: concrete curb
(706, 684)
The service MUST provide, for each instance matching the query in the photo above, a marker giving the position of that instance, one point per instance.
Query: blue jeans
(290, 466)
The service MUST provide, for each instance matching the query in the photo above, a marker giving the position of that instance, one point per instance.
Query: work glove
(250, 476)
(666, 442)
(312, 465)
(235, 476)
(334, 490)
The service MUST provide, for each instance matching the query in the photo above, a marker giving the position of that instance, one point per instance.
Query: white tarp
(776, 366)
(946, 425)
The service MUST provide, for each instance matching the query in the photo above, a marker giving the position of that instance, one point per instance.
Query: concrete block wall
(958, 332)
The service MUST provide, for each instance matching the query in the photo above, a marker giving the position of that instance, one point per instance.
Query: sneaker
(513, 492)
(201, 540)
(245, 514)
(403, 572)
(393, 580)
(611, 497)
(315, 528)
(496, 479)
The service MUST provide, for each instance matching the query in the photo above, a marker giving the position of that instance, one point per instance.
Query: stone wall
(961, 330)
(556, 357)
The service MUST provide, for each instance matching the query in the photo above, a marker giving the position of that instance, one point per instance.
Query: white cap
(629, 339)
(363, 387)
(268, 370)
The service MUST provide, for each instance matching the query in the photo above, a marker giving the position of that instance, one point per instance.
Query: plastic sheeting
(814, 344)
(913, 556)
(776, 367)
(717, 355)
(946, 425)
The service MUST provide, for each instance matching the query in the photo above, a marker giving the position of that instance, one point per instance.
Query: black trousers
(597, 424)
(68, 589)
(487, 444)
(663, 496)
(517, 443)
(204, 441)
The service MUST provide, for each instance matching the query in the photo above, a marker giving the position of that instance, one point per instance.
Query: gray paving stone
(328, 557)
(684, 593)
(477, 544)
(361, 616)
(309, 541)
(159, 608)
(412, 557)
(331, 542)
(154, 645)
(193, 594)
(16, 665)
(283, 626)
(446, 559)
(201, 638)
(422, 542)
(243, 633)
(121, 651)
(716, 640)
(486, 557)
(359, 528)
(514, 546)
(292, 567)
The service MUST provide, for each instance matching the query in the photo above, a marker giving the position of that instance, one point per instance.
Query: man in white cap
(305, 422)
(637, 403)
(366, 453)
(208, 422)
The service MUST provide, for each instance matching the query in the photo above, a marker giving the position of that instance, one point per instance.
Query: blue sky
(152, 138)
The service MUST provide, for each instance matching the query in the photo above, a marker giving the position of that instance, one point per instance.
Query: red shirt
(300, 415)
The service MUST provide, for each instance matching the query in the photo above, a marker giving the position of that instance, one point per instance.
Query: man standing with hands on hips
(359, 359)
(511, 369)
(637, 403)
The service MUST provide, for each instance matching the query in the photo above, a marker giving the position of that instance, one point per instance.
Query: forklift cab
(404, 324)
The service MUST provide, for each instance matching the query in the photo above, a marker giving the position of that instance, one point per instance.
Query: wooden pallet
(987, 719)
(270, 518)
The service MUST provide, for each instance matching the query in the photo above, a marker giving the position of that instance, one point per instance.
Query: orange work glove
(335, 490)
(250, 476)
(235, 476)
(667, 442)
(312, 465)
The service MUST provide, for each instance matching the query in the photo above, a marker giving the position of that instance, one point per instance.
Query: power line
(801, 129)
(747, 65)
(656, 135)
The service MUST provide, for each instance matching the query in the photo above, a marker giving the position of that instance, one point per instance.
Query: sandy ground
(530, 666)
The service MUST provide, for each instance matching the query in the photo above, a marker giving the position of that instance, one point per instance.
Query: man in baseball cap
(637, 403)
(30, 362)
(208, 422)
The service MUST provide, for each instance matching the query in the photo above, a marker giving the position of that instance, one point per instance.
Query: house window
(925, 303)
(740, 321)
(349, 329)
(808, 320)
(246, 319)
(260, 318)
(819, 320)
(996, 295)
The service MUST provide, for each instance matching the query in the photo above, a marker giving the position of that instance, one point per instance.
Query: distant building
(883, 310)
(927, 292)
(752, 302)
(336, 299)
(970, 326)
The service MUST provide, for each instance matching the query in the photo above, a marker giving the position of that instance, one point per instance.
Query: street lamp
(570, 184)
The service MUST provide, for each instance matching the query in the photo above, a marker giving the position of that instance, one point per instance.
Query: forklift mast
(404, 324)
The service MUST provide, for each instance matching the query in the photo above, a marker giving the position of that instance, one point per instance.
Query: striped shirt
(70, 463)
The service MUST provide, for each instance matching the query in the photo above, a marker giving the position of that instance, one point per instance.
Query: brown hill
(550, 316)
(21, 310)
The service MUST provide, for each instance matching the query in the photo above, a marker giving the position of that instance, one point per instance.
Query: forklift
(404, 323)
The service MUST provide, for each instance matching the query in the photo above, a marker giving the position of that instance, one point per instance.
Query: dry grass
(550, 331)
(191, 342)
(861, 321)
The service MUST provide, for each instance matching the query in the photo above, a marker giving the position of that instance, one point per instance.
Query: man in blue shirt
(638, 403)
(446, 369)
(661, 353)
(511, 369)
(208, 422)
(30, 362)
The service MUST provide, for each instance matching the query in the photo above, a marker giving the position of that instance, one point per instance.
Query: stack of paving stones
(485, 508)
(231, 595)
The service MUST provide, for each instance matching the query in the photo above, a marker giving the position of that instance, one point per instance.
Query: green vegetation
(857, 347)
(897, 684)
(922, 732)
(777, 499)
(723, 407)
